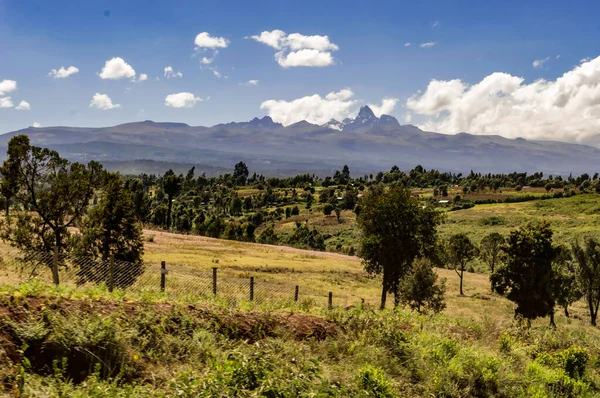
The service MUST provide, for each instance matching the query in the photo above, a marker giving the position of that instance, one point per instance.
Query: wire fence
(178, 282)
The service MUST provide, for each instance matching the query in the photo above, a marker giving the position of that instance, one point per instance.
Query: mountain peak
(365, 113)
(266, 121)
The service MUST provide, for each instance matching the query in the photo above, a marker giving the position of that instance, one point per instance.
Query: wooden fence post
(111, 273)
(214, 281)
(330, 300)
(251, 288)
(163, 275)
(296, 293)
(55, 278)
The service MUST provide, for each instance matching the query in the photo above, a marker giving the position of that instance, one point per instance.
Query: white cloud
(206, 60)
(313, 108)
(143, 77)
(386, 107)
(565, 109)
(205, 40)
(117, 68)
(23, 106)
(435, 24)
(428, 44)
(251, 83)
(6, 86)
(538, 63)
(558, 56)
(296, 49)
(6, 102)
(407, 44)
(36, 125)
(169, 73)
(103, 101)
(63, 73)
(181, 100)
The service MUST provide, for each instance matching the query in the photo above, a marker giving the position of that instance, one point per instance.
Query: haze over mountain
(366, 143)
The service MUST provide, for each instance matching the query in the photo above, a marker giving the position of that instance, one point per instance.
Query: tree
(57, 191)
(327, 209)
(587, 271)
(420, 289)
(240, 173)
(171, 184)
(268, 236)
(112, 228)
(396, 228)
(490, 249)
(295, 211)
(526, 276)
(236, 206)
(461, 251)
(9, 185)
(566, 289)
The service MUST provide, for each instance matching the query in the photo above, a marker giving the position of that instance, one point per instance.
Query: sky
(518, 69)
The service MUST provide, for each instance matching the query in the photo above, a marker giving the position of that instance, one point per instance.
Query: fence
(178, 282)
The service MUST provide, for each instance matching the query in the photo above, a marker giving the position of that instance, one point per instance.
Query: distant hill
(367, 144)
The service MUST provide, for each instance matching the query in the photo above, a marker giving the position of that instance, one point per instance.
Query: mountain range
(366, 143)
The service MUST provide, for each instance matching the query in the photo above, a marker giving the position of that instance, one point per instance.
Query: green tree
(396, 228)
(240, 173)
(526, 276)
(327, 209)
(566, 289)
(9, 185)
(236, 206)
(295, 211)
(268, 236)
(111, 228)
(461, 251)
(587, 271)
(491, 250)
(58, 191)
(171, 185)
(338, 213)
(420, 289)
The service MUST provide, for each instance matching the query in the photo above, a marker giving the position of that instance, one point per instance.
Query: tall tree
(396, 228)
(461, 251)
(420, 288)
(491, 250)
(566, 289)
(9, 185)
(587, 259)
(171, 184)
(526, 277)
(240, 173)
(58, 191)
(112, 228)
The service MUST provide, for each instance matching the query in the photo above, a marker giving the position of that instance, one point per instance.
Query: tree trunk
(567, 311)
(383, 297)
(7, 206)
(169, 212)
(396, 297)
(592, 312)
(461, 281)
(552, 320)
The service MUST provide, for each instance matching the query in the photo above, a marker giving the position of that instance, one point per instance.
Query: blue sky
(368, 51)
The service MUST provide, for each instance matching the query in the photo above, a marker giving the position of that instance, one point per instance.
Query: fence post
(296, 293)
(111, 273)
(251, 288)
(214, 281)
(163, 275)
(55, 278)
(330, 300)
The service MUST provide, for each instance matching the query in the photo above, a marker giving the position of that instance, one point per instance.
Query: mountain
(366, 143)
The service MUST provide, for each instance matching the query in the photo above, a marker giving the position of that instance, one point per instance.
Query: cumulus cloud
(428, 44)
(538, 63)
(251, 83)
(23, 106)
(143, 77)
(387, 106)
(314, 108)
(103, 102)
(63, 72)
(207, 61)
(170, 73)
(6, 86)
(36, 125)
(566, 109)
(117, 68)
(205, 40)
(6, 102)
(181, 100)
(407, 44)
(296, 49)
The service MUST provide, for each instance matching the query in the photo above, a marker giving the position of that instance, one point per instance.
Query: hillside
(367, 144)
(166, 347)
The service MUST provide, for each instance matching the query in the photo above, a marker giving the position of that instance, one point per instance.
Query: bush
(373, 381)
(420, 289)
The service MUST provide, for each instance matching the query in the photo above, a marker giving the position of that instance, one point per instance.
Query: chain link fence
(178, 282)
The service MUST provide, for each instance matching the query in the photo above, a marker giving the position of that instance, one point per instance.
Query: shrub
(373, 381)
(420, 289)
